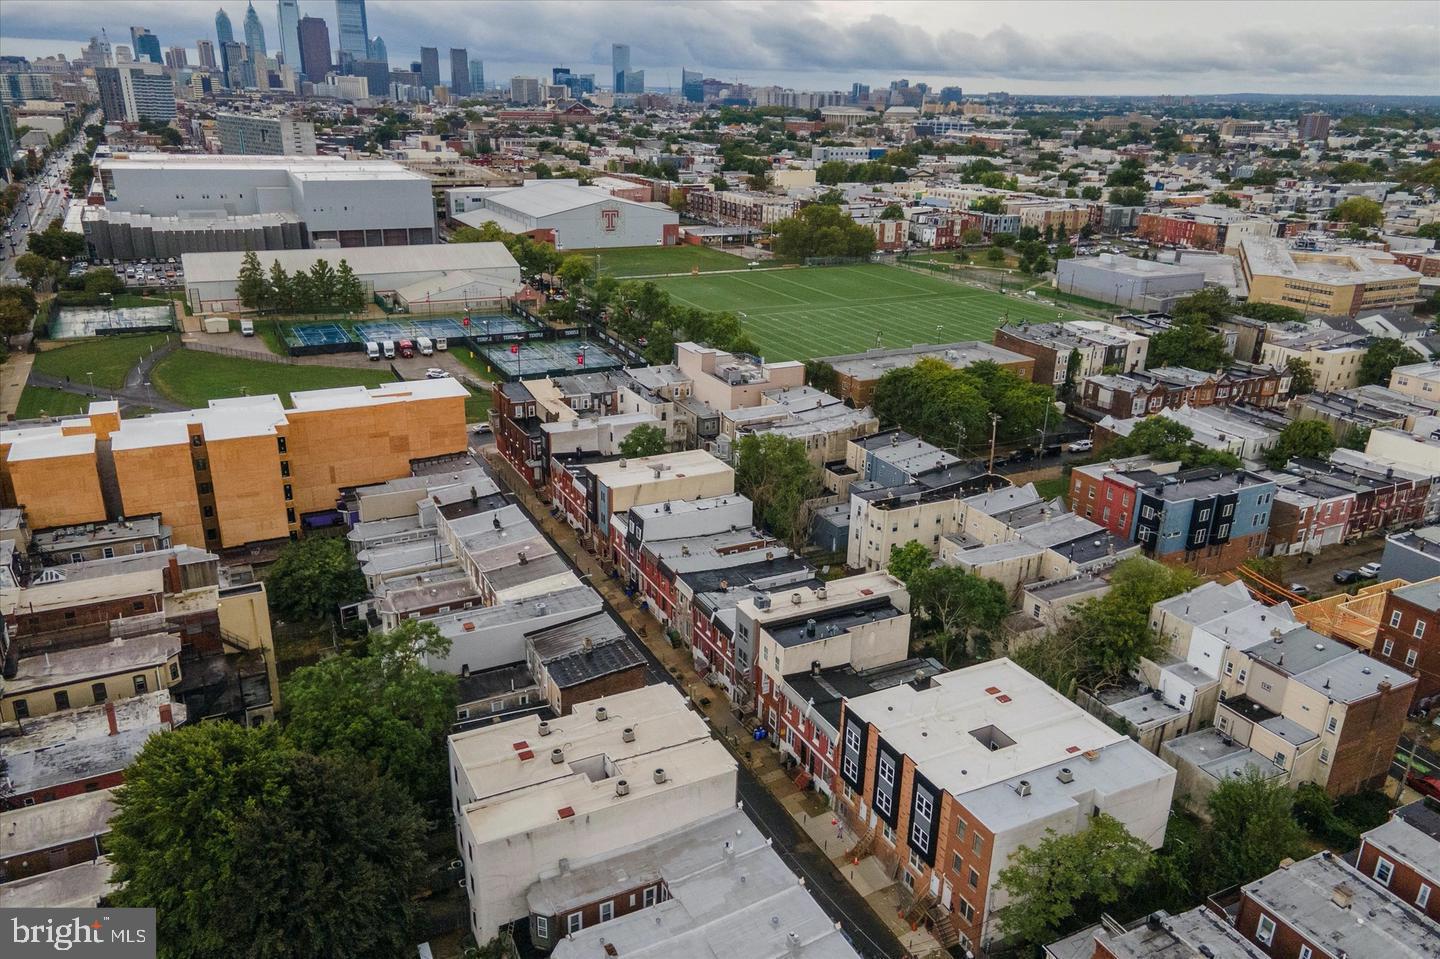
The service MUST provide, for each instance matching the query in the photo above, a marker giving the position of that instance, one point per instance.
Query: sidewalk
(827, 835)
(13, 376)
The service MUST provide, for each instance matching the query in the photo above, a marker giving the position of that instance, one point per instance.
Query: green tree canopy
(955, 605)
(893, 212)
(987, 204)
(1302, 377)
(935, 401)
(1253, 828)
(1271, 312)
(822, 376)
(1382, 357)
(384, 707)
(821, 230)
(778, 477)
(1128, 196)
(34, 268)
(575, 270)
(55, 243)
(1065, 881)
(643, 440)
(1359, 210)
(312, 576)
(1310, 439)
(1166, 440)
(251, 286)
(906, 562)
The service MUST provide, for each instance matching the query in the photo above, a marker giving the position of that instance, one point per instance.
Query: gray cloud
(1040, 47)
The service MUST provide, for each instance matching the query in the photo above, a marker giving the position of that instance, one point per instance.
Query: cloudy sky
(1377, 46)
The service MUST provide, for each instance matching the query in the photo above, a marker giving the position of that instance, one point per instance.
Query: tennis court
(307, 339)
(74, 322)
(822, 311)
(548, 358)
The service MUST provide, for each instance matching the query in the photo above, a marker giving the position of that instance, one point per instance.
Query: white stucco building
(572, 216)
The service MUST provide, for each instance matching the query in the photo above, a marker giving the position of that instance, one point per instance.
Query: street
(42, 201)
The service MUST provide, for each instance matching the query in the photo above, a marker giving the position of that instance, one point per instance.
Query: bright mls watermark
(111, 933)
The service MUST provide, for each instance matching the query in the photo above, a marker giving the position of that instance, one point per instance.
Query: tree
(102, 281)
(1067, 880)
(15, 318)
(778, 477)
(987, 204)
(644, 440)
(1165, 439)
(1302, 377)
(488, 232)
(349, 291)
(1090, 193)
(282, 290)
(1356, 438)
(34, 268)
(893, 212)
(832, 172)
(55, 243)
(956, 604)
(822, 230)
(1225, 199)
(822, 376)
(1308, 439)
(251, 286)
(1253, 828)
(1360, 211)
(1382, 357)
(322, 284)
(995, 255)
(329, 854)
(313, 576)
(1114, 630)
(1128, 196)
(907, 561)
(575, 270)
(1271, 312)
(384, 707)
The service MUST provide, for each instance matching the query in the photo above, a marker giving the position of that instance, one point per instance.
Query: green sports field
(796, 314)
(655, 261)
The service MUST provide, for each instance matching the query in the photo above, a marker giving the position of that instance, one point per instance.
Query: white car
(435, 373)
(1369, 571)
(1081, 446)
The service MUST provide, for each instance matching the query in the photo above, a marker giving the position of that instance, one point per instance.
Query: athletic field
(795, 314)
(653, 261)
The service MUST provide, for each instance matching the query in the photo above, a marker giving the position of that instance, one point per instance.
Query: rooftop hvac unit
(557, 755)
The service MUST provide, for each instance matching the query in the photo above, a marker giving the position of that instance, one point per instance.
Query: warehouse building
(322, 193)
(442, 273)
(567, 215)
(1127, 281)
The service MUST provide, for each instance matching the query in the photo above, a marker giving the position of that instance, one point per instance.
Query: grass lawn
(650, 261)
(193, 378)
(110, 358)
(823, 311)
(477, 406)
(36, 400)
(1050, 488)
(135, 299)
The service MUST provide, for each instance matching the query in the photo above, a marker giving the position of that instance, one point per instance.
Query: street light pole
(994, 425)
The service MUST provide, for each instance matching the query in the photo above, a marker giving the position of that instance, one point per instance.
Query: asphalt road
(37, 207)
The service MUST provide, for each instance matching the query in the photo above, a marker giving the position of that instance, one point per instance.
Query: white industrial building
(531, 796)
(356, 203)
(1127, 281)
(454, 273)
(563, 212)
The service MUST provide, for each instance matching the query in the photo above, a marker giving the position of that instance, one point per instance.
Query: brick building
(1409, 634)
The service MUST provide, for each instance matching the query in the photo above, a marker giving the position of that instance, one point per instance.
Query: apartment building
(272, 136)
(1205, 227)
(240, 471)
(1420, 380)
(1126, 395)
(532, 796)
(860, 372)
(1403, 855)
(726, 381)
(1051, 346)
(946, 778)
(1207, 519)
(821, 423)
(590, 493)
(1342, 282)
(1386, 496)
(1408, 637)
(1333, 356)
(739, 207)
(1107, 491)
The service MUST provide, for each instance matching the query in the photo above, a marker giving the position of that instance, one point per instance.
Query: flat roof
(638, 472)
(584, 649)
(47, 824)
(63, 763)
(74, 887)
(940, 727)
(68, 666)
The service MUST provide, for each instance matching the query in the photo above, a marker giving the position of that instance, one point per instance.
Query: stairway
(942, 926)
(919, 909)
(862, 848)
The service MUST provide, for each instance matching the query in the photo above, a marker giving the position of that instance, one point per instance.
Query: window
(974, 878)
(62, 700)
(1229, 669)
(1419, 628)
(22, 709)
(141, 686)
(107, 552)
(289, 493)
(1410, 657)
(1332, 724)
(207, 511)
(139, 547)
(1241, 677)
(1306, 952)
(280, 443)
(1422, 898)
(1388, 645)
(99, 692)
(205, 489)
(1265, 930)
(174, 671)
(965, 909)
(284, 467)
(957, 865)
(607, 910)
(1384, 869)
(201, 464)
(977, 843)
(959, 828)
(290, 514)
(542, 927)
(574, 922)
(1324, 755)
(1395, 618)
(197, 440)
(1205, 515)
(649, 896)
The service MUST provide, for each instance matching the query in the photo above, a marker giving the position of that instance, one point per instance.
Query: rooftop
(69, 666)
(74, 887)
(584, 649)
(43, 825)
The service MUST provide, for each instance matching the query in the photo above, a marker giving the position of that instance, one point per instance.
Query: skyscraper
(97, 52)
(224, 34)
(314, 48)
(1314, 126)
(176, 58)
(692, 86)
(429, 67)
(459, 72)
(378, 53)
(477, 76)
(146, 45)
(206, 51)
(135, 92)
(254, 33)
(620, 64)
(354, 31)
(288, 13)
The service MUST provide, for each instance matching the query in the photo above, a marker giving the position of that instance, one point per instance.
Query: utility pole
(994, 424)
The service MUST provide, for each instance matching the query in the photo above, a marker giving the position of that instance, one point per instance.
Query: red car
(1425, 785)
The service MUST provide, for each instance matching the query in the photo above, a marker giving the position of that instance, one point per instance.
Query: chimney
(167, 716)
(601, 714)
(659, 776)
(110, 718)
(172, 575)
(557, 755)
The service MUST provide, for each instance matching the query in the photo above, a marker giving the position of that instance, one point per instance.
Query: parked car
(388, 348)
(1369, 571)
(247, 328)
(1425, 785)
(1081, 446)
(1346, 576)
(1299, 589)
(480, 428)
(372, 350)
(435, 373)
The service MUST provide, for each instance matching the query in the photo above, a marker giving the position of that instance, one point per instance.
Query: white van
(442, 344)
(389, 349)
(247, 328)
(372, 350)
(425, 345)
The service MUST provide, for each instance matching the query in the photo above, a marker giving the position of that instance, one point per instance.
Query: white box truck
(247, 328)
(372, 350)
(442, 344)
(388, 347)
(425, 345)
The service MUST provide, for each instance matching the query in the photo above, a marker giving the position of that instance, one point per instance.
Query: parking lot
(1317, 573)
(137, 273)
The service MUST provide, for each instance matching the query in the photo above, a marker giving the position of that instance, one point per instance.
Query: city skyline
(1041, 48)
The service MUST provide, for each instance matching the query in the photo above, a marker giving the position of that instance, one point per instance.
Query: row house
(1403, 856)
(856, 625)
(1056, 346)
(1386, 497)
(1309, 514)
(515, 423)
(739, 208)
(1408, 637)
(1107, 491)
(947, 777)
(1124, 396)
(1206, 519)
